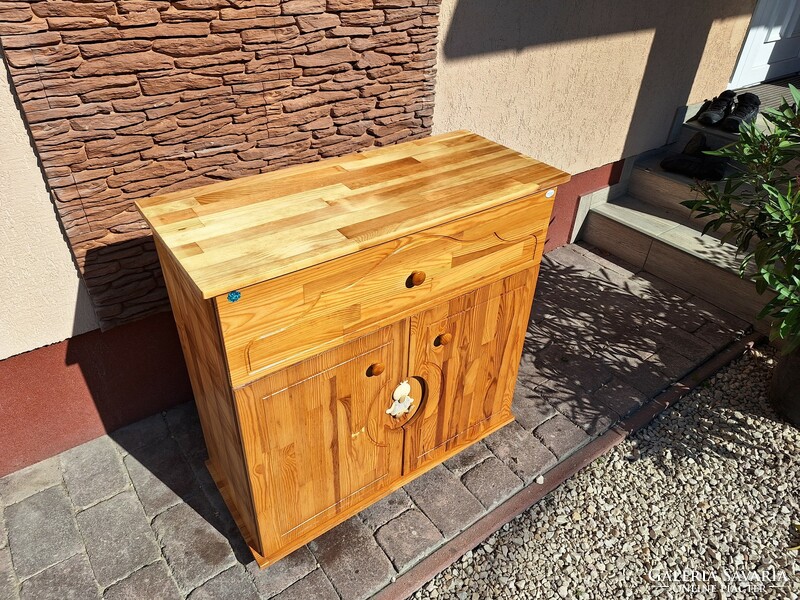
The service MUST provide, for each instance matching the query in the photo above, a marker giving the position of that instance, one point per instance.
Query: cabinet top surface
(237, 233)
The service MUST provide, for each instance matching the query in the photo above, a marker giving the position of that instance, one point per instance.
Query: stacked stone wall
(130, 98)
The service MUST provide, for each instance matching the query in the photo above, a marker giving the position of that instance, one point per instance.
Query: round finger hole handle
(416, 278)
(376, 369)
(443, 339)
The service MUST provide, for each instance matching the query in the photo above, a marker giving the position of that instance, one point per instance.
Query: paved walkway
(135, 515)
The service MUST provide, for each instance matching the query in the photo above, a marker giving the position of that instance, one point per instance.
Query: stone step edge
(622, 214)
(447, 554)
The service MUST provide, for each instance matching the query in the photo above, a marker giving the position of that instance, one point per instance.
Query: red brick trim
(68, 393)
(566, 206)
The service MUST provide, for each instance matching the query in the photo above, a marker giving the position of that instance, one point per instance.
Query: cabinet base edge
(264, 561)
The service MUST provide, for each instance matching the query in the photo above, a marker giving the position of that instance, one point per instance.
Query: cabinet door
(467, 353)
(317, 437)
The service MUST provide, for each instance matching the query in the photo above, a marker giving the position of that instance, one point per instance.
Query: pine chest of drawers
(306, 298)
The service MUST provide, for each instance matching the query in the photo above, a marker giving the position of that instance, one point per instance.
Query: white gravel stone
(708, 491)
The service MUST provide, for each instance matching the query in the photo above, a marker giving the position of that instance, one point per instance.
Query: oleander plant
(760, 204)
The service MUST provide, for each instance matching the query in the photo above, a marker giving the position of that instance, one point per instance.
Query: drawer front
(290, 318)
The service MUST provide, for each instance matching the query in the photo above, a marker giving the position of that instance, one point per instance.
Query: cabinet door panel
(467, 351)
(317, 437)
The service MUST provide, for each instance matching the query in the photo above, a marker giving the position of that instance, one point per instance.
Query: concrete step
(655, 186)
(650, 183)
(650, 238)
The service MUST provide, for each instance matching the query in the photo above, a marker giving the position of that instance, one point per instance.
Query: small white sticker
(550, 193)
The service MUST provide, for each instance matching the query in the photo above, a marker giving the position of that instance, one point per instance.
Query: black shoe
(697, 145)
(696, 167)
(719, 108)
(746, 111)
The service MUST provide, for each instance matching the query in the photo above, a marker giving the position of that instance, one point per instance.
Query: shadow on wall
(135, 370)
(680, 32)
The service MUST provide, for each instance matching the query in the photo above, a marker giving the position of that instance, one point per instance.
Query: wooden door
(317, 437)
(467, 353)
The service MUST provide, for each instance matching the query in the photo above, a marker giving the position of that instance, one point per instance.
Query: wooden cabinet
(305, 297)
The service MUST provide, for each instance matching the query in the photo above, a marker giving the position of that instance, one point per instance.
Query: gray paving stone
(314, 586)
(568, 257)
(408, 538)
(146, 432)
(540, 309)
(444, 499)
(468, 458)
(684, 343)
(529, 374)
(9, 586)
(718, 335)
(233, 583)
(30, 480)
(153, 581)
(648, 286)
(629, 348)
(672, 364)
(385, 509)
(620, 397)
(561, 436)
(491, 482)
(184, 425)
(606, 260)
(161, 476)
(529, 408)
(194, 550)
(352, 560)
(206, 499)
(71, 579)
(42, 531)
(516, 448)
(683, 317)
(93, 471)
(578, 406)
(569, 332)
(276, 578)
(648, 379)
(118, 537)
(556, 363)
(3, 531)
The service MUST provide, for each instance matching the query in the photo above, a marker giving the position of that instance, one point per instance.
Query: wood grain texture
(199, 334)
(297, 315)
(234, 234)
(317, 437)
(467, 352)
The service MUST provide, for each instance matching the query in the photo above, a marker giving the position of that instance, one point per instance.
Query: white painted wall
(43, 299)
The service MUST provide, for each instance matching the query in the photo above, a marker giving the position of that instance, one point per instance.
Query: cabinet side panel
(198, 331)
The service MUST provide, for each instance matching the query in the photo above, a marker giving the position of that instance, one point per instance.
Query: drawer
(287, 319)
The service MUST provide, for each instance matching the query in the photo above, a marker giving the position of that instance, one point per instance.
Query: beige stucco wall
(43, 299)
(581, 83)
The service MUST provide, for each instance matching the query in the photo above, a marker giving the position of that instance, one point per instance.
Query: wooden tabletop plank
(232, 234)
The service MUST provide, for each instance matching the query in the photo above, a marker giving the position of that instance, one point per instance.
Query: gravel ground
(706, 495)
